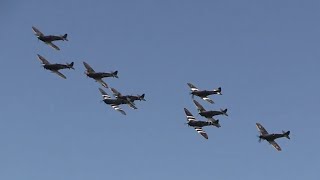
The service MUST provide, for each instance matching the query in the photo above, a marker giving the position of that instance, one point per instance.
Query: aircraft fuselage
(271, 137)
(50, 38)
(115, 101)
(209, 114)
(200, 123)
(55, 66)
(203, 93)
(99, 75)
(134, 98)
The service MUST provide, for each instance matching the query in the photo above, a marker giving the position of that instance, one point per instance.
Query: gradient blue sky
(264, 54)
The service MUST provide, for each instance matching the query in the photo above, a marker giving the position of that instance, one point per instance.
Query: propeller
(260, 138)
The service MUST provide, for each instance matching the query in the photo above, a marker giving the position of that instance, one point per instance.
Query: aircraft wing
(275, 145)
(201, 131)
(116, 93)
(88, 67)
(59, 74)
(117, 108)
(192, 87)
(37, 32)
(102, 83)
(53, 46)
(190, 117)
(43, 60)
(199, 106)
(131, 104)
(207, 99)
(104, 94)
(262, 130)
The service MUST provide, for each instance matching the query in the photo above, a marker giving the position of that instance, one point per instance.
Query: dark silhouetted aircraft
(49, 38)
(197, 125)
(114, 103)
(131, 98)
(203, 93)
(55, 67)
(264, 135)
(99, 75)
(209, 114)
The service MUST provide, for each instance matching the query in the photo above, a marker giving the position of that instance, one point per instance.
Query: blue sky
(264, 55)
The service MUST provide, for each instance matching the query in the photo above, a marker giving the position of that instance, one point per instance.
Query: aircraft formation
(115, 102)
(197, 124)
(119, 99)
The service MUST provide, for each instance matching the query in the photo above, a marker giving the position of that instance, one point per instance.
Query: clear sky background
(264, 54)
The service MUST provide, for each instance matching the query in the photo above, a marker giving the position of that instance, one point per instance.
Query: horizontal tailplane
(218, 91)
(70, 65)
(142, 97)
(286, 134)
(224, 111)
(64, 37)
(115, 74)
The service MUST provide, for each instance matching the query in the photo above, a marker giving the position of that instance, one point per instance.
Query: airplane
(203, 93)
(131, 98)
(209, 114)
(99, 75)
(55, 67)
(114, 103)
(49, 38)
(197, 125)
(264, 135)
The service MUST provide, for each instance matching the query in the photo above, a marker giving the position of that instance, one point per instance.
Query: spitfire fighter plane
(209, 114)
(203, 93)
(197, 125)
(49, 38)
(99, 75)
(131, 98)
(55, 67)
(264, 135)
(114, 103)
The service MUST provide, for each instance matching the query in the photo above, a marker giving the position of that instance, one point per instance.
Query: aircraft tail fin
(218, 91)
(286, 134)
(70, 66)
(115, 74)
(142, 97)
(214, 122)
(64, 37)
(224, 111)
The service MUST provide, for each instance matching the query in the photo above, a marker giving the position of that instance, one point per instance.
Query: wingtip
(124, 113)
(205, 136)
(34, 29)
(188, 113)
